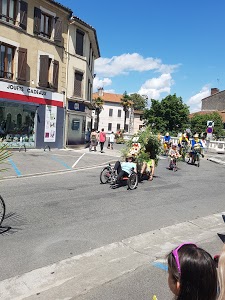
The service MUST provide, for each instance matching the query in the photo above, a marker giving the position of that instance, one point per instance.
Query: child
(173, 153)
(192, 273)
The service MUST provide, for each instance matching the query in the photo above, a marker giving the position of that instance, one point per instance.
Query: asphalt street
(39, 162)
(72, 238)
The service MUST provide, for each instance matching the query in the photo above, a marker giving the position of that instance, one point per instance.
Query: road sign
(209, 129)
(210, 123)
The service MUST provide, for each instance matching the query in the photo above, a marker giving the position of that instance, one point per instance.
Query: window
(78, 84)
(119, 113)
(23, 14)
(79, 42)
(49, 72)
(110, 112)
(118, 127)
(8, 11)
(127, 114)
(44, 24)
(6, 61)
(126, 127)
(141, 118)
(109, 126)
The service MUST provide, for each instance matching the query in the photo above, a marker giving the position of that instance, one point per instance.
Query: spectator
(111, 140)
(102, 139)
(192, 273)
(93, 139)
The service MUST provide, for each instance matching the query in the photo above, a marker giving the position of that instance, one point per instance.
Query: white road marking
(75, 276)
(76, 162)
(57, 172)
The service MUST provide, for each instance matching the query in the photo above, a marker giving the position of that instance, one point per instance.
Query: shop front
(76, 120)
(30, 117)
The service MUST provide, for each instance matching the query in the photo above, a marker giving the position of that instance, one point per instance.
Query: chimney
(214, 91)
(100, 92)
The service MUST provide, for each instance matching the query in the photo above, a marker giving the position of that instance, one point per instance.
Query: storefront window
(17, 123)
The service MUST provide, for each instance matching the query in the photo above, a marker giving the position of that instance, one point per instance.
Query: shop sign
(28, 94)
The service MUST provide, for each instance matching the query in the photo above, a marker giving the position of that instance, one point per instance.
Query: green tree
(169, 114)
(139, 102)
(198, 123)
(126, 103)
(98, 105)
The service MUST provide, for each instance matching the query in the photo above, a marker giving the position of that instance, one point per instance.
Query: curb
(217, 161)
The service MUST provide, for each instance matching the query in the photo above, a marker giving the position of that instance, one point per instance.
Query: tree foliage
(198, 123)
(150, 145)
(139, 102)
(169, 114)
(126, 104)
(98, 105)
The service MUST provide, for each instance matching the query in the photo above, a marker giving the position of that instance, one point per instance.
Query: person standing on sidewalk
(102, 139)
(93, 140)
(111, 140)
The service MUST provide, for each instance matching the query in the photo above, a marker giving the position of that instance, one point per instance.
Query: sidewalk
(215, 157)
(35, 162)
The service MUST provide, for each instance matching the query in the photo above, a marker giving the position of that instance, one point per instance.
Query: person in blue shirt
(166, 143)
(195, 142)
(125, 168)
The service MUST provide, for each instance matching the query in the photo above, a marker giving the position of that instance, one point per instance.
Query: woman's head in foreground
(192, 273)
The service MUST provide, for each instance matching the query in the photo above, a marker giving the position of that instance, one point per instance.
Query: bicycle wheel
(132, 181)
(2, 209)
(105, 175)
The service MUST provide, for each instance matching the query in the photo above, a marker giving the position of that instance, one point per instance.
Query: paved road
(38, 162)
(70, 235)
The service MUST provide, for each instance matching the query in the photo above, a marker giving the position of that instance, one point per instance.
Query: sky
(157, 48)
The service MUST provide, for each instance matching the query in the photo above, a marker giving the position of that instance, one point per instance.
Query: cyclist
(173, 154)
(195, 143)
(148, 166)
(125, 168)
(166, 143)
(183, 143)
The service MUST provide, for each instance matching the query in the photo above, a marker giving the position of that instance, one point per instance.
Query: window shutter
(23, 14)
(55, 73)
(77, 84)
(22, 64)
(37, 20)
(0, 9)
(44, 67)
(58, 30)
(79, 42)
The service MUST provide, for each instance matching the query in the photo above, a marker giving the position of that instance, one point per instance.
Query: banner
(50, 124)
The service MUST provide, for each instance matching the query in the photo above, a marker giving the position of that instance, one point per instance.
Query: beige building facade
(33, 40)
(82, 51)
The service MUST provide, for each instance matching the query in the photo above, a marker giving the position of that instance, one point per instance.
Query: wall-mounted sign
(76, 106)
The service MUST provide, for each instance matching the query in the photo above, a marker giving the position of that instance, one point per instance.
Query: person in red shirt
(102, 139)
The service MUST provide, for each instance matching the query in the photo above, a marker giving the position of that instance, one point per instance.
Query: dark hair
(198, 277)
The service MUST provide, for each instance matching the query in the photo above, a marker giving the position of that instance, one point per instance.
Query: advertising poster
(50, 124)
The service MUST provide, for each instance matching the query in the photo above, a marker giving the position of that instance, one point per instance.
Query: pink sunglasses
(176, 256)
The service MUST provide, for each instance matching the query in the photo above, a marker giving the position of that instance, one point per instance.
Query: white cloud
(195, 102)
(124, 63)
(154, 87)
(101, 83)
